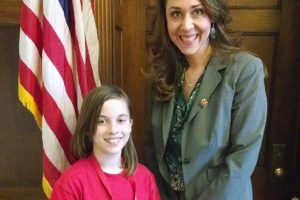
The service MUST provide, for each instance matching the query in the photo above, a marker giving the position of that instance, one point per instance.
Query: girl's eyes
(122, 120)
(101, 121)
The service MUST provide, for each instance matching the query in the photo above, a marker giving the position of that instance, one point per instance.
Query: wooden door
(269, 30)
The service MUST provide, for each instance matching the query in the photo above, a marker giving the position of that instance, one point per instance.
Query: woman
(107, 165)
(209, 108)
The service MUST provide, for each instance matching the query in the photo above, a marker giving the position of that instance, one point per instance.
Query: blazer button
(186, 161)
(203, 103)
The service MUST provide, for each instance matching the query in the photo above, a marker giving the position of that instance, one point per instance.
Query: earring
(213, 32)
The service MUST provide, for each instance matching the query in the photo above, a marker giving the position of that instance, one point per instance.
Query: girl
(107, 165)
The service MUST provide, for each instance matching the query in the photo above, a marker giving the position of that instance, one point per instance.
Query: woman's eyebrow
(178, 8)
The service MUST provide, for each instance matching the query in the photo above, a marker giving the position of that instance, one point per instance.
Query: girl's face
(113, 128)
(188, 25)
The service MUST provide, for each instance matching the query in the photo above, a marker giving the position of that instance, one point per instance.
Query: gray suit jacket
(221, 138)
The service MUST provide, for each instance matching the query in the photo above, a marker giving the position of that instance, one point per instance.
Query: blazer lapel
(209, 83)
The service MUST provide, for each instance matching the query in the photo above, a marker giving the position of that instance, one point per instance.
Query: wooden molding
(256, 20)
(22, 192)
(10, 12)
(104, 22)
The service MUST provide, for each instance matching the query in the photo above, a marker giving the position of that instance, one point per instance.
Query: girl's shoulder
(74, 173)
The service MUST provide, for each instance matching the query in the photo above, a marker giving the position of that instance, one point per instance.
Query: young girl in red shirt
(107, 166)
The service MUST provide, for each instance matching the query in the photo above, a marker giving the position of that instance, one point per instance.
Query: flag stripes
(30, 80)
(52, 173)
(31, 91)
(58, 65)
(52, 115)
(57, 54)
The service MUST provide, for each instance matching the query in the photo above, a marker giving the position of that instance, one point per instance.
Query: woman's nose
(187, 23)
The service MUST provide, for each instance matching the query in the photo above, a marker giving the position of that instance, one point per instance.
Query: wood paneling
(125, 56)
(20, 138)
(245, 20)
(118, 43)
(132, 58)
(10, 12)
(103, 17)
(256, 20)
(151, 3)
(21, 193)
(286, 99)
(253, 4)
(264, 47)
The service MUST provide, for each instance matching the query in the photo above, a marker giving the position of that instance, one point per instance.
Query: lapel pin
(203, 103)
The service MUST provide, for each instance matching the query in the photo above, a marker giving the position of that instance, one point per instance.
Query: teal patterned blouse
(172, 154)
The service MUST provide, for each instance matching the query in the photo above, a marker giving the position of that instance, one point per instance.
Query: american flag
(59, 52)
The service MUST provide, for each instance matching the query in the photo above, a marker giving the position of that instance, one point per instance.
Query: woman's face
(188, 25)
(113, 128)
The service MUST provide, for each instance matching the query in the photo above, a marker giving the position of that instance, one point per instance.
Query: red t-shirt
(121, 188)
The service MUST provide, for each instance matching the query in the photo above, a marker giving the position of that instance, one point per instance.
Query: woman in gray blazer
(208, 109)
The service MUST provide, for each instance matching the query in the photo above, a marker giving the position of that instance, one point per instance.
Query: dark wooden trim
(295, 167)
(22, 193)
(104, 24)
(285, 111)
(294, 177)
(10, 12)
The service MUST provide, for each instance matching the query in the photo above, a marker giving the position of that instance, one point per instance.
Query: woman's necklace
(187, 81)
(205, 58)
